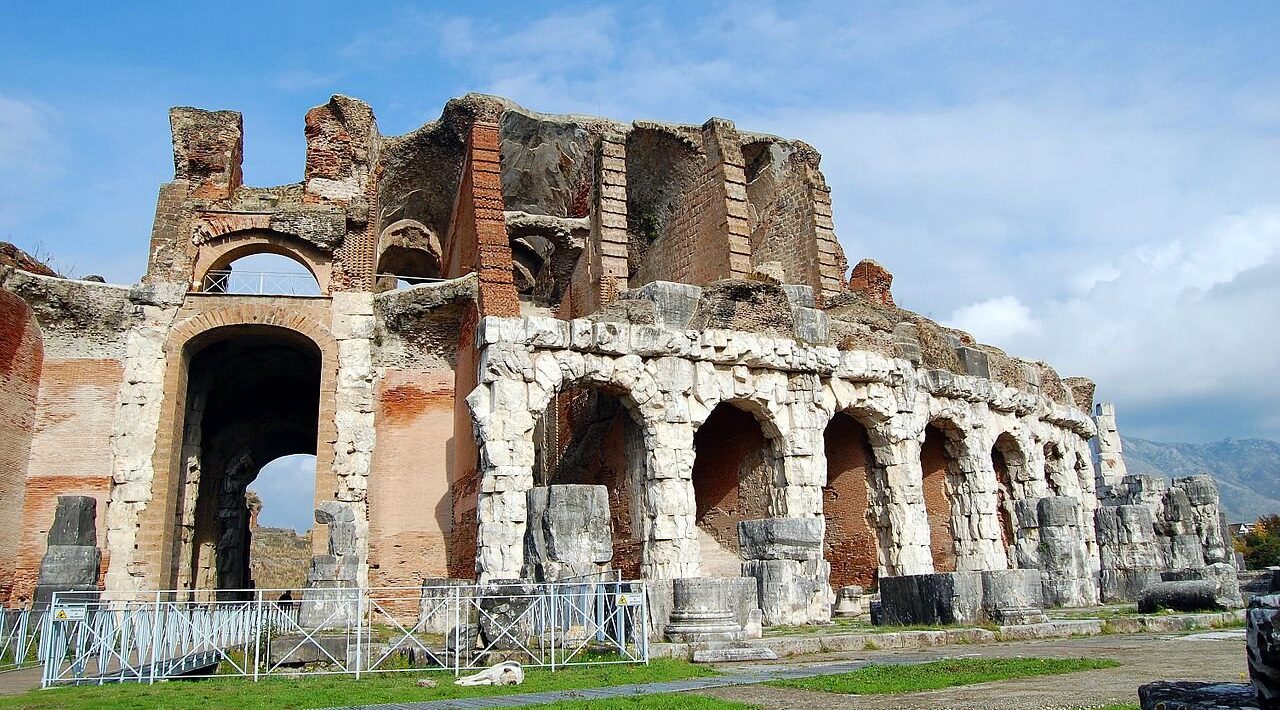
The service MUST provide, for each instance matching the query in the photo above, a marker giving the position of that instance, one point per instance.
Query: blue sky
(1094, 184)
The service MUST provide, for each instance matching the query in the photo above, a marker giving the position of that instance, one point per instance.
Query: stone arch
(409, 248)
(593, 433)
(217, 253)
(504, 412)
(162, 551)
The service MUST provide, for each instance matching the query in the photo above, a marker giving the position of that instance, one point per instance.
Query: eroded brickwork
(21, 356)
(850, 540)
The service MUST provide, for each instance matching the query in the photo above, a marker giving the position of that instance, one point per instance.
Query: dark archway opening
(733, 472)
(588, 436)
(850, 540)
(1009, 463)
(935, 465)
(252, 397)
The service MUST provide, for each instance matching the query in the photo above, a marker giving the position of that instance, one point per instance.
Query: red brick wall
(410, 516)
(70, 453)
(478, 235)
(933, 463)
(21, 353)
(731, 472)
(850, 541)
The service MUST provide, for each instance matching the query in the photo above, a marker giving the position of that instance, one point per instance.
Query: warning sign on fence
(68, 613)
(625, 600)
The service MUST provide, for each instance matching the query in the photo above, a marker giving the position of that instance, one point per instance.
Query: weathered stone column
(353, 328)
(505, 428)
(908, 551)
(668, 526)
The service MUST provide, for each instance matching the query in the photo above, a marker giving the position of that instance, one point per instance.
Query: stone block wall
(672, 380)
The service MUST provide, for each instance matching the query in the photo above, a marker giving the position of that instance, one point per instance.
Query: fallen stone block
(1183, 695)
(1187, 595)
(945, 598)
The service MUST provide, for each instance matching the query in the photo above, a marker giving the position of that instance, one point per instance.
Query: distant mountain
(1247, 470)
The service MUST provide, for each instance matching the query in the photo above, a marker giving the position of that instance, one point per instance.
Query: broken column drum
(703, 611)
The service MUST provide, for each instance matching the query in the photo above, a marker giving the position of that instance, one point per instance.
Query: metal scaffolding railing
(353, 631)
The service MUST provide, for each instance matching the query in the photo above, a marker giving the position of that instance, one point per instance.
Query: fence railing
(352, 631)
(278, 283)
(19, 638)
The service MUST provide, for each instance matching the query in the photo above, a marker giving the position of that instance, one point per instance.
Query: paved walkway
(1208, 656)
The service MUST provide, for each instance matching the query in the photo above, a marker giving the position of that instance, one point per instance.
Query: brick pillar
(609, 241)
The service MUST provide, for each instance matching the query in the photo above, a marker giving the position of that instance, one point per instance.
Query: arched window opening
(589, 436)
(733, 472)
(935, 465)
(263, 273)
(280, 522)
(850, 540)
(409, 253)
(529, 256)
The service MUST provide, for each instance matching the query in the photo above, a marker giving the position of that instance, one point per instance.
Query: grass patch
(879, 678)
(664, 701)
(337, 690)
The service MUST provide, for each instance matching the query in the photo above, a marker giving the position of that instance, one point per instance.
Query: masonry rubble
(551, 346)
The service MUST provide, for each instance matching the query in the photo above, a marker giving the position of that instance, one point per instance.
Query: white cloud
(30, 157)
(995, 319)
(286, 487)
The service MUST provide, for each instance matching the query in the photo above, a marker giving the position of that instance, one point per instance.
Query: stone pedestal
(784, 556)
(444, 603)
(568, 533)
(848, 602)
(1129, 554)
(703, 611)
(72, 559)
(505, 623)
(1262, 622)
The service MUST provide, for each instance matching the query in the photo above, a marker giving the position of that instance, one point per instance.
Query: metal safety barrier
(280, 283)
(19, 638)
(355, 631)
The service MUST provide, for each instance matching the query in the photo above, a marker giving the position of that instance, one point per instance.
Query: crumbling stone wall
(674, 378)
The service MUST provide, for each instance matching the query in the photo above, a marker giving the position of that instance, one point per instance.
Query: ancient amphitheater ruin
(511, 305)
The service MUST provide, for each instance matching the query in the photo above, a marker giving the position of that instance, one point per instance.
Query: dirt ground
(1216, 656)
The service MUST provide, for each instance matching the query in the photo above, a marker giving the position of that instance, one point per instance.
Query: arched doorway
(936, 464)
(850, 542)
(734, 469)
(1009, 462)
(252, 396)
(588, 435)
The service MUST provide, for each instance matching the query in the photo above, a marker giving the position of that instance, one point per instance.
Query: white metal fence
(261, 282)
(19, 638)
(352, 631)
